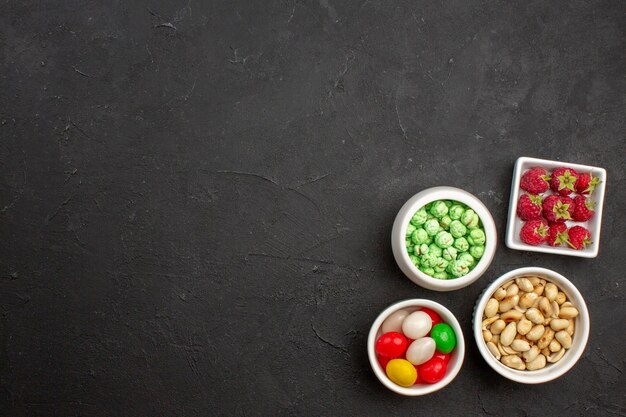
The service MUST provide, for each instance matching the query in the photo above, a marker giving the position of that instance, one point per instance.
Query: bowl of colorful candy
(531, 325)
(416, 347)
(443, 238)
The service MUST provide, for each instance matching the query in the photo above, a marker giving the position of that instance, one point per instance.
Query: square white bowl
(514, 223)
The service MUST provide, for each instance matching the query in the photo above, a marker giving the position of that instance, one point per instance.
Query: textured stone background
(196, 197)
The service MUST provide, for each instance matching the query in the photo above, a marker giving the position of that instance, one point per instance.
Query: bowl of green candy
(443, 238)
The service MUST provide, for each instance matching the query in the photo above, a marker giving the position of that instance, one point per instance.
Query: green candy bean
(427, 270)
(477, 251)
(475, 223)
(459, 268)
(432, 227)
(440, 275)
(419, 218)
(441, 265)
(468, 217)
(449, 254)
(456, 211)
(414, 259)
(420, 250)
(461, 244)
(435, 250)
(465, 256)
(439, 209)
(445, 222)
(409, 244)
(476, 237)
(448, 203)
(444, 337)
(429, 260)
(444, 239)
(419, 236)
(410, 229)
(457, 229)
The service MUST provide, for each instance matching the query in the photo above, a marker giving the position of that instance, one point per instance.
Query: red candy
(383, 361)
(433, 370)
(444, 356)
(391, 345)
(433, 316)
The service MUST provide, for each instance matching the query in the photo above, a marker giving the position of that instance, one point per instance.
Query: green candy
(456, 211)
(444, 337)
(467, 257)
(441, 265)
(419, 218)
(449, 254)
(409, 244)
(429, 260)
(476, 237)
(444, 240)
(438, 209)
(414, 259)
(461, 244)
(431, 226)
(440, 275)
(457, 229)
(448, 203)
(477, 251)
(436, 250)
(410, 229)
(427, 270)
(420, 250)
(419, 236)
(445, 222)
(468, 217)
(458, 268)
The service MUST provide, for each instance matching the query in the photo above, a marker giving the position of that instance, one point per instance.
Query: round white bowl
(579, 341)
(456, 357)
(398, 238)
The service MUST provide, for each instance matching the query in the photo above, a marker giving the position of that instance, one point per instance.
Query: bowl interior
(579, 340)
(515, 224)
(456, 357)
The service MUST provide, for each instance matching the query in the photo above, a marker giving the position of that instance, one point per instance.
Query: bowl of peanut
(531, 325)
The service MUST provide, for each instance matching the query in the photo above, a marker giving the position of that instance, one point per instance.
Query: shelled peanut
(528, 322)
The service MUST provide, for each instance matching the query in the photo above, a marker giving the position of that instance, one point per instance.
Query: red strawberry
(558, 209)
(557, 234)
(579, 237)
(563, 180)
(586, 183)
(535, 181)
(584, 208)
(534, 232)
(529, 207)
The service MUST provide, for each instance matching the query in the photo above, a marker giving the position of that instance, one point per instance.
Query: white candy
(393, 323)
(421, 350)
(416, 325)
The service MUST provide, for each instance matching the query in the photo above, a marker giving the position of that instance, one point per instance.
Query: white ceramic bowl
(456, 357)
(514, 224)
(579, 341)
(398, 238)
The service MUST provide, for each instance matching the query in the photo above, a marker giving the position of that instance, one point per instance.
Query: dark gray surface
(196, 197)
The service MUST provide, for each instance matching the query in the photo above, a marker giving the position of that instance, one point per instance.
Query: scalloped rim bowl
(456, 358)
(398, 237)
(579, 341)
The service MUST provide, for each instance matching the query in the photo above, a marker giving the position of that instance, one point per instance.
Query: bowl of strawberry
(556, 207)
(416, 347)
